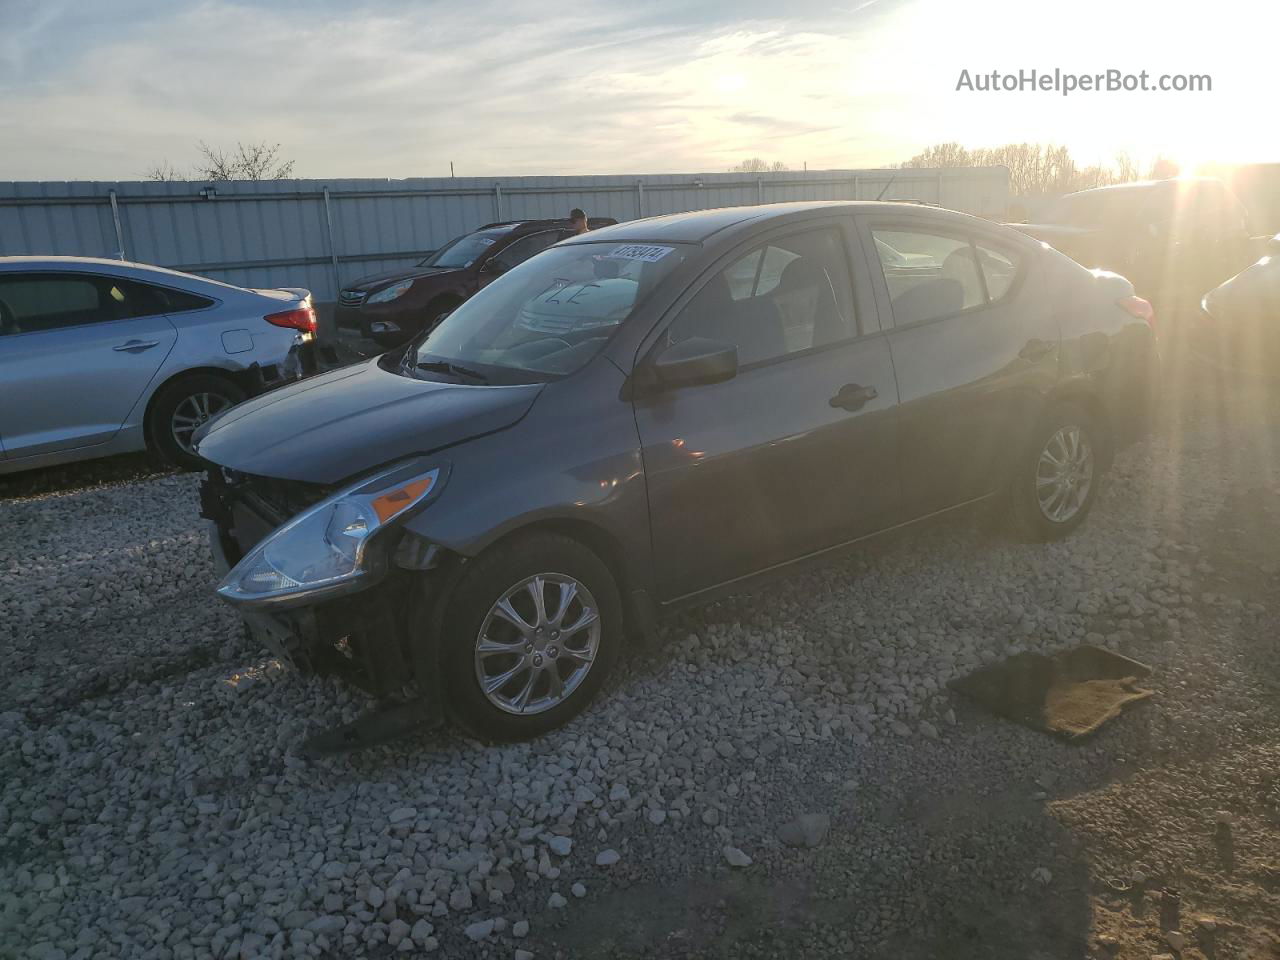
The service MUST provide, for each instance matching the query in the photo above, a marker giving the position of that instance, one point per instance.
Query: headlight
(331, 548)
(393, 292)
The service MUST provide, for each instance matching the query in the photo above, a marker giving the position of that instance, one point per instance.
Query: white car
(99, 357)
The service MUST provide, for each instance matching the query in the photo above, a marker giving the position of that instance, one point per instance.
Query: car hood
(342, 423)
(405, 273)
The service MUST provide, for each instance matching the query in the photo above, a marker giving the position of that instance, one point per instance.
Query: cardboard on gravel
(1070, 694)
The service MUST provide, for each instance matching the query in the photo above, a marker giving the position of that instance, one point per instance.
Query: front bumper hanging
(364, 637)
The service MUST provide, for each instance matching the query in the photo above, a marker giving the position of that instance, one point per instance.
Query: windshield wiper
(444, 366)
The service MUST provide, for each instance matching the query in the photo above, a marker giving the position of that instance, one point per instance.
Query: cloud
(400, 88)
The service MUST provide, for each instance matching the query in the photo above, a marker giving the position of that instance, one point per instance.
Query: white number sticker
(648, 253)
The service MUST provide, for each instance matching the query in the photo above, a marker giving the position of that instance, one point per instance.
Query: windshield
(550, 315)
(463, 251)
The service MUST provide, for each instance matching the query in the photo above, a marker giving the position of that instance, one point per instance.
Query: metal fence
(321, 234)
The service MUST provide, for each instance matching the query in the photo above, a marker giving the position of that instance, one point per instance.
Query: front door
(794, 454)
(74, 358)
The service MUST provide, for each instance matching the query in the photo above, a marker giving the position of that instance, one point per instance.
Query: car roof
(122, 268)
(515, 225)
(1145, 186)
(701, 226)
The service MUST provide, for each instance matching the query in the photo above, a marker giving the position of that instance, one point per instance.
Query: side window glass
(999, 270)
(741, 276)
(524, 248)
(31, 303)
(179, 301)
(128, 298)
(928, 275)
(790, 295)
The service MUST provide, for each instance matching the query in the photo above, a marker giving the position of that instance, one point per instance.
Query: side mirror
(696, 361)
(493, 267)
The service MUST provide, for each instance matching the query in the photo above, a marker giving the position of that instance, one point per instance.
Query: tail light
(300, 318)
(1139, 309)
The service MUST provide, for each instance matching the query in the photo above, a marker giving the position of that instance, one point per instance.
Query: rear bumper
(301, 360)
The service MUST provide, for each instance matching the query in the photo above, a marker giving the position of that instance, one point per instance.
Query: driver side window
(786, 296)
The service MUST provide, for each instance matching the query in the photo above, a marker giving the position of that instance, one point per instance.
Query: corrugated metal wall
(320, 234)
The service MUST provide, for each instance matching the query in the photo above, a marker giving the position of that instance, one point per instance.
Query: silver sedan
(99, 357)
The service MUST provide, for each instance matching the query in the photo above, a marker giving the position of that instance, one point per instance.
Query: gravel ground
(782, 774)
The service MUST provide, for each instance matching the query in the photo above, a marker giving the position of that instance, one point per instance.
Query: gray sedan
(99, 357)
(652, 415)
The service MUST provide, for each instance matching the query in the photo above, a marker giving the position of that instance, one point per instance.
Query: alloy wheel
(192, 412)
(1064, 474)
(537, 644)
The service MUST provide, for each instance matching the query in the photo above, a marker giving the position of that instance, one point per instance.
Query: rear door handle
(1036, 349)
(853, 396)
(135, 346)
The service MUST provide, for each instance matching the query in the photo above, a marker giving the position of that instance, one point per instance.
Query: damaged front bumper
(367, 637)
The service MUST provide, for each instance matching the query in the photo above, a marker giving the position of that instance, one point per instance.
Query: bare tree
(164, 170)
(1126, 170)
(942, 155)
(1164, 168)
(1040, 169)
(757, 165)
(248, 161)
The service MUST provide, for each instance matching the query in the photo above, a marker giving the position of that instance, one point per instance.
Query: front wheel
(1056, 480)
(530, 633)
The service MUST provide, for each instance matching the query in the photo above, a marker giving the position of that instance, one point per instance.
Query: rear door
(797, 452)
(975, 349)
(77, 351)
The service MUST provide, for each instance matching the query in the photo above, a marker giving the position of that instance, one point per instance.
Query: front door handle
(1036, 349)
(853, 396)
(135, 346)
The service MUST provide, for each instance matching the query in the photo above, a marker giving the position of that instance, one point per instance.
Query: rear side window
(928, 275)
(789, 295)
(933, 275)
(179, 301)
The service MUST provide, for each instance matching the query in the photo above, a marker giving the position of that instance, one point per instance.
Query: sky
(105, 89)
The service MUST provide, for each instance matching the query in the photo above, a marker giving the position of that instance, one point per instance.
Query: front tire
(1056, 479)
(531, 631)
(180, 407)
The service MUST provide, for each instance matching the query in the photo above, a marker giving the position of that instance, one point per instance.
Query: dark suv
(389, 308)
(1174, 239)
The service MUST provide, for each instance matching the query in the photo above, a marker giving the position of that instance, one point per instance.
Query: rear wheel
(530, 634)
(180, 408)
(1056, 480)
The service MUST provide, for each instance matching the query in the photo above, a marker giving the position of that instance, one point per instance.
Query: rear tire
(555, 659)
(1056, 478)
(179, 407)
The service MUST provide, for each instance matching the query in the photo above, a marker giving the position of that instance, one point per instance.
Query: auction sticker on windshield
(648, 253)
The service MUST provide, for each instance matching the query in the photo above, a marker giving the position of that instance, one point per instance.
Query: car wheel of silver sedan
(180, 408)
(532, 630)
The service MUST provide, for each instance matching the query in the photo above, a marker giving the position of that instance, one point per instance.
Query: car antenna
(892, 178)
